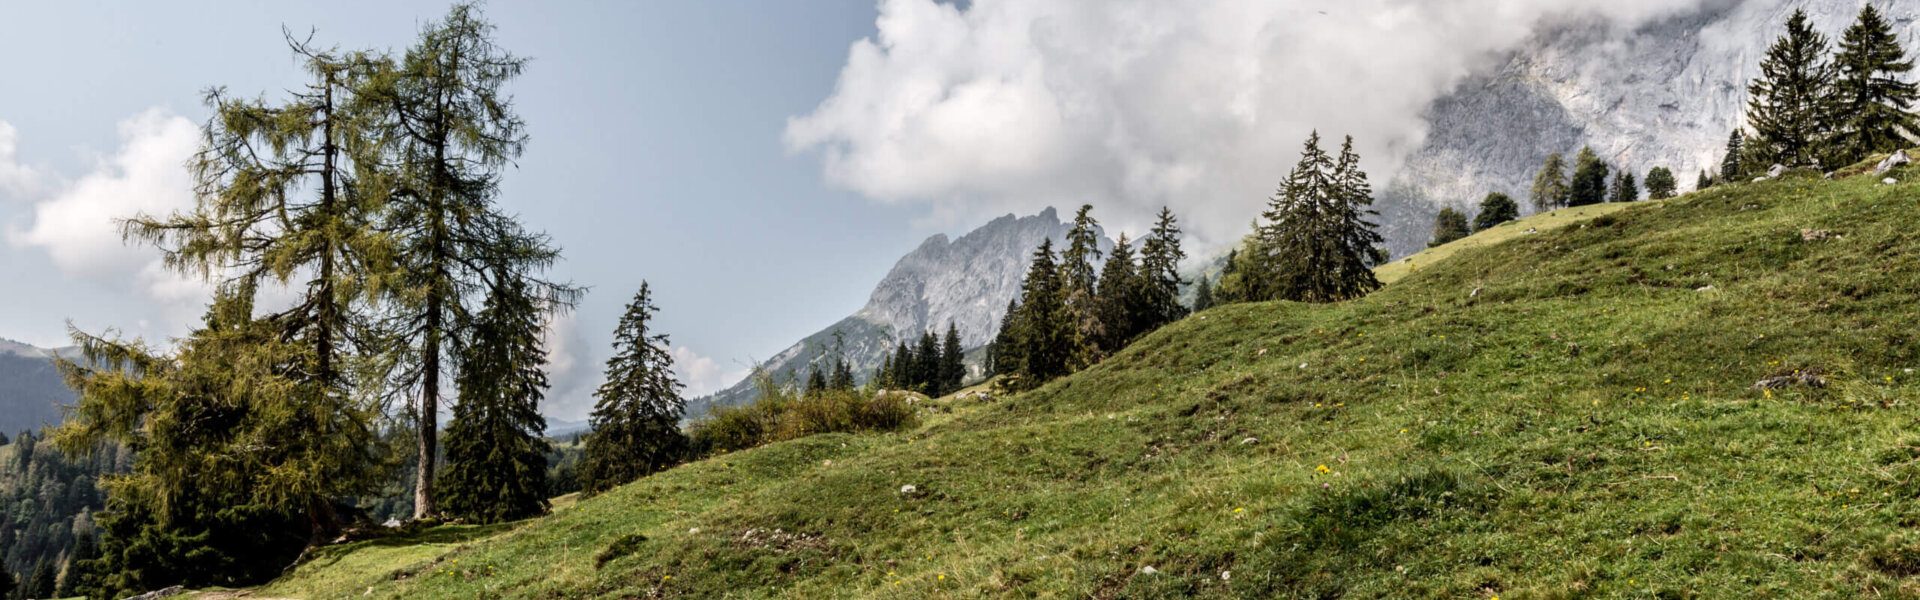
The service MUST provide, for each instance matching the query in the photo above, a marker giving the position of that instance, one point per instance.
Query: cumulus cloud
(571, 391)
(703, 375)
(1135, 104)
(17, 180)
(75, 223)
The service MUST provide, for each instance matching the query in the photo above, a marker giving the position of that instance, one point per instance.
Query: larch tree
(1497, 208)
(1660, 183)
(496, 455)
(636, 415)
(1788, 106)
(449, 131)
(1448, 226)
(1872, 100)
(1550, 187)
(1317, 242)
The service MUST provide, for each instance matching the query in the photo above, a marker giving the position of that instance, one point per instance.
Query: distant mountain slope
(31, 388)
(965, 281)
(1666, 94)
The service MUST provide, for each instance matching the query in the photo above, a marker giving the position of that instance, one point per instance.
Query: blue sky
(656, 152)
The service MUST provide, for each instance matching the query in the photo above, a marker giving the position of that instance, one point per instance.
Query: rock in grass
(1776, 171)
(158, 594)
(1148, 570)
(1889, 181)
(1899, 158)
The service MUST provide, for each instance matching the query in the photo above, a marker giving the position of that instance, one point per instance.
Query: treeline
(370, 193)
(48, 539)
(1070, 314)
(934, 366)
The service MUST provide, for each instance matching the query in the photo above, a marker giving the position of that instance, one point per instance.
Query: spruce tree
(40, 584)
(841, 378)
(1624, 188)
(1703, 182)
(1203, 297)
(1077, 274)
(1550, 187)
(636, 416)
(1788, 106)
(447, 133)
(1589, 179)
(1044, 332)
(926, 358)
(816, 380)
(953, 361)
(1497, 208)
(1871, 99)
(1160, 279)
(1317, 244)
(1120, 296)
(1661, 184)
(496, 457)
(1448, 226)
(1730, 167)
(1003, 355)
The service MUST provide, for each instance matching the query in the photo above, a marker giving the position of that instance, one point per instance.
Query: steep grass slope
(1582, 427)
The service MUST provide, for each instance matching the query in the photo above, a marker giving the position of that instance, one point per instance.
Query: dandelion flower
(1323, 469)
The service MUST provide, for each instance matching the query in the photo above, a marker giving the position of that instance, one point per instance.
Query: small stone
(1759, 179)
(1776, 171)
(1889, 181)
(1475, 294)
(1898, 159)
(1148, 570)
(1704, 288)
(909, 489)
(694, 530)
(1248, 441)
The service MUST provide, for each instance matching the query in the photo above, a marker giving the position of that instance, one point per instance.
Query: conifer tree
(1317, 244)
(1203, 297)
(1003, 355)
(496, 457)
(1589, 179)
(926, 358)
(1077, 275)
(816, 380)
(1044, 330)
(1120, 296)
(1550, 187)
(1624, 188)
(1788, 106)
(447, 132)
(1448, 226)
(1730, 167)
(636, 417)
(40, 585)
(903, 367)
(1872, 101)
(1661, 184)
(1497, 208)
(953, 365)
(842, 377)
(1232, 286)
(1160, 280)
(1703, 182)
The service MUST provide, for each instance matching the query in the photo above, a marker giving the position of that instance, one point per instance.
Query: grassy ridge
(1582, 427)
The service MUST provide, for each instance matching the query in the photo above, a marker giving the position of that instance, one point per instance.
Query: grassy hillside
(1582, 427)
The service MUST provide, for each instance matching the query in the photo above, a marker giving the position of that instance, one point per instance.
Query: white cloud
(703, 375)
(1132, 104)
(570, 391)
(16, 180)
(77, 224)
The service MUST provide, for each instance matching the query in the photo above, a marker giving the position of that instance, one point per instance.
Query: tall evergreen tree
(816, 380)
(1003, 355)
(842, 377)
(496, 457)
(1044, 331)
(1203, 296)
(1497, 208)
(1589, 179)
(1317, 244)
(1077, 275)
(1788, 105)
(1448, 226)
(447, 133)
(1661, 184)
(1624, 188)
(1703, 182)
(1550, 187)
(1872, 101)
(953, 361)
(1160, 280)
(926, 376)
(1730, 167)
(80, 565)
(40, 584)
(636, 418)
(1120, 296)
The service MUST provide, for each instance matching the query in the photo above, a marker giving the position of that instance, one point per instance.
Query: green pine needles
(636, 421)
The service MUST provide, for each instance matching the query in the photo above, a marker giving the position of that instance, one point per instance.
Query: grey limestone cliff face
(1664, 94)
(966, 281)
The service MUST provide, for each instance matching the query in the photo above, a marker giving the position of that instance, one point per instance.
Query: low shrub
(782, 414)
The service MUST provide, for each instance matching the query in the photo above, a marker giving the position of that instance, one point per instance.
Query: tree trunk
(423, 505)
